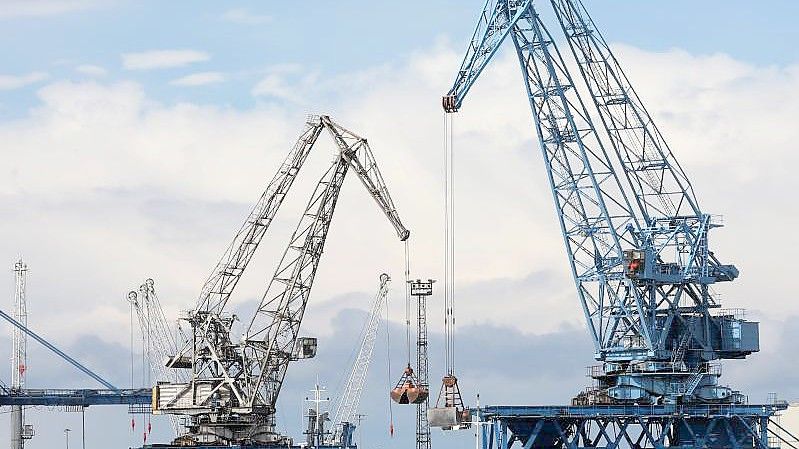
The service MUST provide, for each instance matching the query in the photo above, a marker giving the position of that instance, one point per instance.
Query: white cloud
(199, 79)
(91, 70)
(287, 82)
(244, 16)
(136, 188)
(11, 82)
(160, 59)
(273, 85)
(166, 185)
(33, 8)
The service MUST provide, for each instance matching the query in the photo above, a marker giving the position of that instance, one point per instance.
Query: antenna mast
(19, 357)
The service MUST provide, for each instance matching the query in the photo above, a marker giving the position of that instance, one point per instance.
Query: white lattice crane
(235, 382)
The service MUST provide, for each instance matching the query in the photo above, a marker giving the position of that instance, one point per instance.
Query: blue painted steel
(84, 398)
(631, 427)
(704, 410)
(636, 240)
(57, 351)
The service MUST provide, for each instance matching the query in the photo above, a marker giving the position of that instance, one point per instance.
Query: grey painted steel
(57, 351)
(76, 397)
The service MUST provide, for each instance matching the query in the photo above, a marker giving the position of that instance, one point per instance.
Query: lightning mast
(20, 432)
(421, 290)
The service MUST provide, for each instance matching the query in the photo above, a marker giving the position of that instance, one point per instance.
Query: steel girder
(723, 427)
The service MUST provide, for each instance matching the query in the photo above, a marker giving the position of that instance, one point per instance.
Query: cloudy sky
(136, 135)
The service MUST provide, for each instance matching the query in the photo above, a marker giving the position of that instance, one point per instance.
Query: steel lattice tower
(421, 290)
(19, 358)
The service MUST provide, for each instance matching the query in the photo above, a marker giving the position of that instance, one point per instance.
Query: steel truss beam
(80, 398)
(627, 427)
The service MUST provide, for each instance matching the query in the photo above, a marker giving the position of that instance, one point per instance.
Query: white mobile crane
(234, 383)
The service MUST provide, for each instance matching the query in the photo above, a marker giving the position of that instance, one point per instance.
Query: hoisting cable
(148, 352)
(407, 390)
(408, 300)
(131, 298)
(449, 395)
(145, 346)
(449, 245)
(388, 362)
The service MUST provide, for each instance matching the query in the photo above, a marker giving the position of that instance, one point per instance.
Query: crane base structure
(629, 427)
(236, 446)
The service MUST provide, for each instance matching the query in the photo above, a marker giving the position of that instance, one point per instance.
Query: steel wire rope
(388, 362)
(132, 363)
(408, 300)
(449, 245)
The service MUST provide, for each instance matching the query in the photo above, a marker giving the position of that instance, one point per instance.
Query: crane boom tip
(450, 103)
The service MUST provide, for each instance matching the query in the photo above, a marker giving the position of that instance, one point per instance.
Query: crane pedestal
(625, 426)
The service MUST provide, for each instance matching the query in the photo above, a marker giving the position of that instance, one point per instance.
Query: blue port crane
(635, 236)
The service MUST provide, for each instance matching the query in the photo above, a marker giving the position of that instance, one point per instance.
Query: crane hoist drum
(408, 390)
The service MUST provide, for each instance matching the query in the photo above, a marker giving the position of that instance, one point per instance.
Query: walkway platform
(629, 426)
(76, 397)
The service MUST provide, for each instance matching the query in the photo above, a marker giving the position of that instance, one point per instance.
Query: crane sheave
(636, 240)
